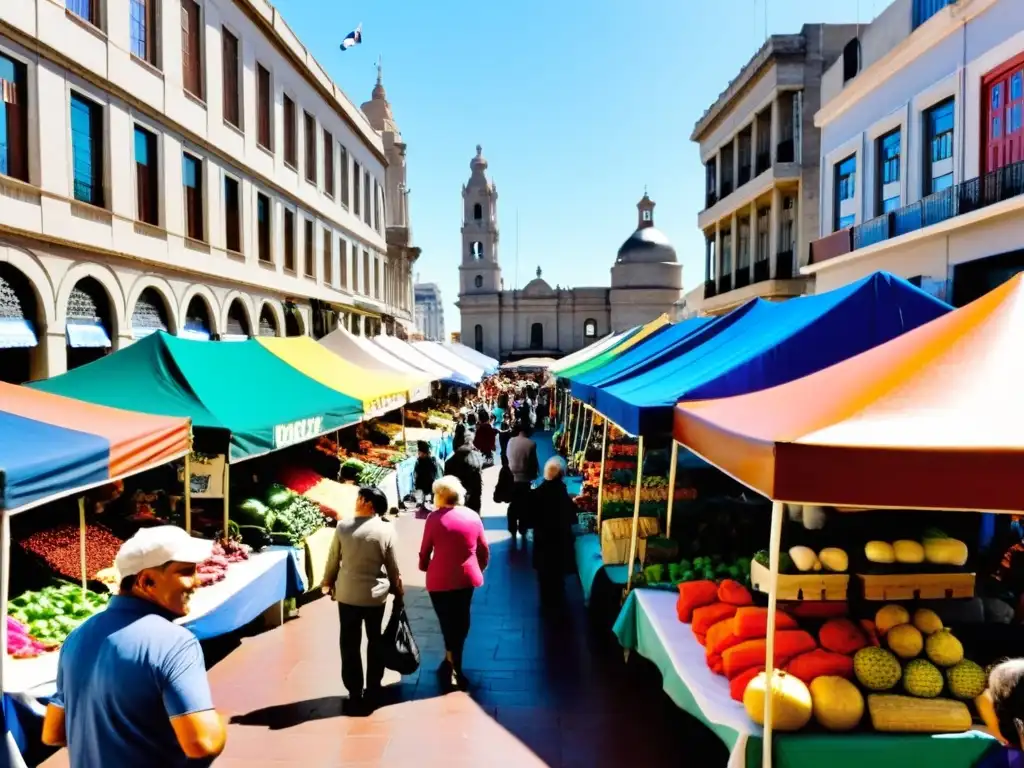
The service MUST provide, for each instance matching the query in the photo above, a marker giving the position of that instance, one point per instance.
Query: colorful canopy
(933, 419)
(368, 355)
(409, 355)
(627, 342)
(591, 350)
(651, 352)
(488, 364)
(528, 364)
(379, 392)
(764, 343)
(474, 373)
(54, 446)
(238, 388)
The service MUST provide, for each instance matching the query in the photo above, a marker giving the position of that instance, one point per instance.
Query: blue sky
(578, 105)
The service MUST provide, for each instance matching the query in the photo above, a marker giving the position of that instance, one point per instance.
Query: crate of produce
(917, 586)
(616, 535)
(805, 586)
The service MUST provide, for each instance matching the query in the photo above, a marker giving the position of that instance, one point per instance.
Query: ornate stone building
(646, 280)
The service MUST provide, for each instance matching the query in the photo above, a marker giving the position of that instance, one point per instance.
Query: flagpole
(517, 248)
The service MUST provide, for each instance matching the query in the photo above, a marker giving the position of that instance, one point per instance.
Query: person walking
(454, 555)
(466, 464)
(426, 471)
(361, 571)
(554, 517)
(485, 439)
(131, 684)
(524, 465)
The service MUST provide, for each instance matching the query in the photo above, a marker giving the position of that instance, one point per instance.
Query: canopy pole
(188, 491)
(671, 488)
(81, 541)
(636, 513)
(600, 477)
(405, 435)
(586, 442)
(227, 492)
(5, 583)
(775, 544)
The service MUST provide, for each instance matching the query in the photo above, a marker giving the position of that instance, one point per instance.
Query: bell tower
(479, 269)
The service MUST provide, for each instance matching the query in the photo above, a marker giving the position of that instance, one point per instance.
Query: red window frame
(1003, 141)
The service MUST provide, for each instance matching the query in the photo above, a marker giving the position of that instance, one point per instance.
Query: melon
(791, 701)
(837, 704)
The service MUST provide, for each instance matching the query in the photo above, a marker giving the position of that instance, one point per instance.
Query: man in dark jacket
(467, 465)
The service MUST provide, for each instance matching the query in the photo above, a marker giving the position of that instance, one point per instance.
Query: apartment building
(759, 147)
(183, 165)
(429, 311)
(922, 150)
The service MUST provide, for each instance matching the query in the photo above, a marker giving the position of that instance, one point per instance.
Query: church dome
(538, 286)
(647, 245)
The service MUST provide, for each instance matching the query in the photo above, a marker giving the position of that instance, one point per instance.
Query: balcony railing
(742, 277)
(784, 265)
(785, 152)
(744, 175)
(710, 198)
(762, 270)
(709, 289)
(725, 283)
(925, 9)
(763, 162)
(972, 195)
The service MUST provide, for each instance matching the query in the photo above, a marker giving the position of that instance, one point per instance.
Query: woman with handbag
(454, 554)
(361, 571)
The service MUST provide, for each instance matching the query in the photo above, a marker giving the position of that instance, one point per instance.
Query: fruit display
(215, 567)
(805, 560)
(935, 549)
(50, 614)
(60, 549)
(792, 706)
(710, 568)
(285, 516)
(20, 644)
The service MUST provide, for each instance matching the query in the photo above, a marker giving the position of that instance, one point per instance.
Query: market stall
(472, 372)
(591, 350)
(61, 448)
(487, 364)
(409, 355)
(878, 431)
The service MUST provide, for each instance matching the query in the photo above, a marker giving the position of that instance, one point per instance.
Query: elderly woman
(554, 516)
(454, 554)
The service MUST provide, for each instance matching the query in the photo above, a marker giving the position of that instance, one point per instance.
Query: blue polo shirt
(122, 675)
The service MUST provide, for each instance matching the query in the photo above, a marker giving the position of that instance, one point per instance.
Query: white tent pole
(775, 545)
(671, 488)
(636, 513)
(600, 479)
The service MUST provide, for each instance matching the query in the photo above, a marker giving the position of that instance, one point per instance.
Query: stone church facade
(646, 281)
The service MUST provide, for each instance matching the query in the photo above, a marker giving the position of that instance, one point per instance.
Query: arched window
(478, 281)
(589, 328)
(478, 338)
(537, 336)
(851, 60)
(478, 211)
(476, 250)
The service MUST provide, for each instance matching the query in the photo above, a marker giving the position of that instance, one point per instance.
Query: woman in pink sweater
(454, 554)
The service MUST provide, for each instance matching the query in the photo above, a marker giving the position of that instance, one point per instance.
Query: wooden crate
(805, 586)
(917, 586)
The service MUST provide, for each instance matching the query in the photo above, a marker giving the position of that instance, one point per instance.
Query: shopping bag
(401, 653)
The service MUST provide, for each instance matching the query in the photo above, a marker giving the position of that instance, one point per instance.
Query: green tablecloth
(589, 563)
(648, 625)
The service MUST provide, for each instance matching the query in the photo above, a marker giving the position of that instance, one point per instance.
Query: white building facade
(646, 281)
(183, 165)
(922, 150)
(429, 311)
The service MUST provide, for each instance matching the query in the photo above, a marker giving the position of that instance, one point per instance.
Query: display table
(589, 564)
(248, 589)
(648, 625)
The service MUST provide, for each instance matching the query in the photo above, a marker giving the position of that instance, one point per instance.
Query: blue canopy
(649, 353)
(763, 344)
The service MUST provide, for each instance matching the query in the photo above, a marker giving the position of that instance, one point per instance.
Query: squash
(908, 551)
(804, 559)
(879, 552)
(945, 551)
(791, 701)
(834, 559)
(908, 714)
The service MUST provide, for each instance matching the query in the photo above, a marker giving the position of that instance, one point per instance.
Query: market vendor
(1002, 705)
(132, 688)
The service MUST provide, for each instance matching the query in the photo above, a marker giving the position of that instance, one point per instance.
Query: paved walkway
(543, 693)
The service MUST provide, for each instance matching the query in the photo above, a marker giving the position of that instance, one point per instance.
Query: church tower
(479, 270)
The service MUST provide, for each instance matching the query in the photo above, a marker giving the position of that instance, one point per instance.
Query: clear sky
(578, 105)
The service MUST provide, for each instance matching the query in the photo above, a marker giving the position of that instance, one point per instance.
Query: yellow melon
(838, 705)
(791, 701)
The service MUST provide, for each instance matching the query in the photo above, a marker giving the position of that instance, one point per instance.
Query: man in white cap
(131, 684)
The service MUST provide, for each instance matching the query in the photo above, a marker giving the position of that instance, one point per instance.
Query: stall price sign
(207, 481)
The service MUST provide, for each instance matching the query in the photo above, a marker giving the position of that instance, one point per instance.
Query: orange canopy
(933, 419)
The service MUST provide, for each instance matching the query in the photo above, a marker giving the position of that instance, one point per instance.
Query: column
(773, 231)
(718, 173)
(734, 237)
(752, 235)
(50, 358)
(735, 169)
(718, 255)
(753, 161)
(776, 135)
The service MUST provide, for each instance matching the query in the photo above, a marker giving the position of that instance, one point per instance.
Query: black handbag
(401, 653)
(503, 488)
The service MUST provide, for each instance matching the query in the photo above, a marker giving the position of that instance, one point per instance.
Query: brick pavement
(544, 691)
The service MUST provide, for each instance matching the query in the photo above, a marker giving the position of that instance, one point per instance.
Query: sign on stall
(207, 479)
(379, 406)
(298, 431)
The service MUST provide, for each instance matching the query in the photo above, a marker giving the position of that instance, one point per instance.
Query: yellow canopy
(379, 392)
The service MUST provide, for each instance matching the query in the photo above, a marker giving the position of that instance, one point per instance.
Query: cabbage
(279, 497)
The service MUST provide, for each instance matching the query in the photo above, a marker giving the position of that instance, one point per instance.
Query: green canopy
(621, 346)
(236, 387)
